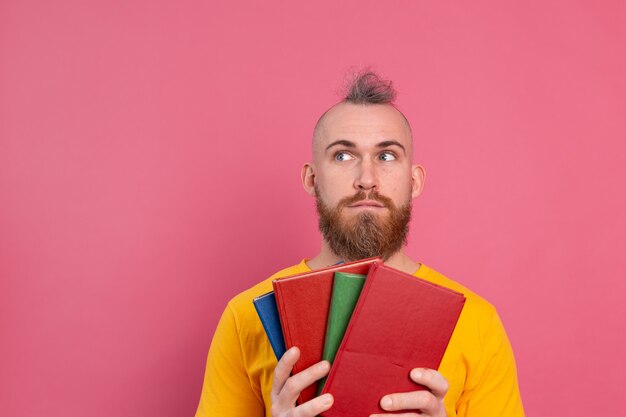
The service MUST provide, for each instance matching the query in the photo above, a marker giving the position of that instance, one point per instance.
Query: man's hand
(428, 402)
(286, 389)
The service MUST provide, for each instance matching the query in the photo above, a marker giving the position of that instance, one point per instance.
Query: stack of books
(373, 323)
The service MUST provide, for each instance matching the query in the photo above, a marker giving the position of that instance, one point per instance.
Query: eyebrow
(389, 143)
(342, 142)
(350, 144)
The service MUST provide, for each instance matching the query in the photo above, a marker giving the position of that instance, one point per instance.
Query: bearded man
(363, 179)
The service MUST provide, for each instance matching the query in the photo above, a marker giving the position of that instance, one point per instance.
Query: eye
(387, 156)
(343, 156)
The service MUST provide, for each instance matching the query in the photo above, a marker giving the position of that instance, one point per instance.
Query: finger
(284, 368)
(396, 415)
(414, 400)
(296, 383)
(314, 407)
(431, 379)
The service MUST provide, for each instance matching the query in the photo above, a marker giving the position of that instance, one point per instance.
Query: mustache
(366, 195)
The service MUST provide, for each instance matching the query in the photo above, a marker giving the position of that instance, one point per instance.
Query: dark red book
(303, 301)
(400, 322)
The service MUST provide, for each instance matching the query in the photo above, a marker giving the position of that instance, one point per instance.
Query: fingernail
(415, 374)
(327, 399)
(324, 366)
(386, 402)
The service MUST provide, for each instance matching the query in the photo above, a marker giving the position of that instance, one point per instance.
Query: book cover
(346, 290)
(400, 322)
(265, 306)
(303, 301)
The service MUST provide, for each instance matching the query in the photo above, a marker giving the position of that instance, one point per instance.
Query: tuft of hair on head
(367, 87)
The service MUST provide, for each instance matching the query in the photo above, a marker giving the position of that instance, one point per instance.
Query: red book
(303, 301)
(399, 323)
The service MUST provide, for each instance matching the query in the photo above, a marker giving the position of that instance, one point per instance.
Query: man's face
(363, 179)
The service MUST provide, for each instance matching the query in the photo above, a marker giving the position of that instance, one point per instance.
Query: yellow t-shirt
(478, 363)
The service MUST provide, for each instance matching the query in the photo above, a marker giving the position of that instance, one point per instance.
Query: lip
(367, 204)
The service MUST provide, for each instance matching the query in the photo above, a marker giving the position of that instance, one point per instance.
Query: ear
(419, 176)
(308, 178)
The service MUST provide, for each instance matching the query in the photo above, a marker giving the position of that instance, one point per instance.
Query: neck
(399, 260)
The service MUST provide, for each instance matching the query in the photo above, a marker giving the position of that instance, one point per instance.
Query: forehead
(363, 124)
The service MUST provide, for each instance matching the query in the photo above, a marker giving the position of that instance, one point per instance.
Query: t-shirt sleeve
(227, 389)
(493, 389)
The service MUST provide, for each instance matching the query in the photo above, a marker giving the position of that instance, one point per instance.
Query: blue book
(267, 310)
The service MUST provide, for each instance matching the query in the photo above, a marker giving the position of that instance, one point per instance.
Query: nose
(366, 178)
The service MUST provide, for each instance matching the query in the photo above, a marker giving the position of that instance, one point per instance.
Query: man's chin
(353, 213)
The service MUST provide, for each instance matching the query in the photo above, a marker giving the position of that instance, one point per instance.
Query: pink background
(149, 171)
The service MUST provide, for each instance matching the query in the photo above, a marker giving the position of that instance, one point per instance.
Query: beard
(366, 234)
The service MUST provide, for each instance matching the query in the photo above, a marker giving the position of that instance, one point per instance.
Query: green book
(346, 290)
